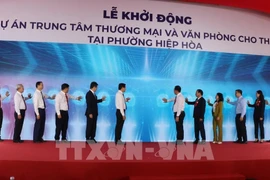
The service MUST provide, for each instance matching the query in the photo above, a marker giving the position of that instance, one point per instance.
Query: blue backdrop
(150, 75)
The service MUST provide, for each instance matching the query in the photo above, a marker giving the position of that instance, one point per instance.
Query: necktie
(24, 103)
(0, 101)
(67, 99)
(43, 100)
(125, 101)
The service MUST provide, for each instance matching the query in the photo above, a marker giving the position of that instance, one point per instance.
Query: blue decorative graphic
(150, 75)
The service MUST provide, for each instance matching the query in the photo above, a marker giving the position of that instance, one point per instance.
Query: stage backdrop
(151, 46)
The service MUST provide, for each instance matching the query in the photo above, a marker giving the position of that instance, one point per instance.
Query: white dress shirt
(38, 101)
(120, 102)
(19, 102)
(179, 104)
(61, 102)
(1, 99)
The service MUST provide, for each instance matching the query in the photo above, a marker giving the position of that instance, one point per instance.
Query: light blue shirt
(240, 106)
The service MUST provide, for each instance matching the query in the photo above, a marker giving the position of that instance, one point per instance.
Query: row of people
(61, 109)
(91, 113)
(217, 112)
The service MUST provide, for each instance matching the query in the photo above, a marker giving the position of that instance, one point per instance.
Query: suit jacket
(218, 110)
(92, 104)
(199, 108)
(259, 108)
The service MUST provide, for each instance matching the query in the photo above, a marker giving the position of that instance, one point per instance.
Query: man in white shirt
(61, 108)
(120, 103)
(179, 113)
(20, 108)
(40, 113)
(1, 112)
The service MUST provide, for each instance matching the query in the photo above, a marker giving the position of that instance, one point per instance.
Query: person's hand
(218, 118)
(228, 100)
(124, 117)
(177, 118)
(29, 96)
(79, 98)
(53, 96)
(59, 116)
(164, 100)
(91, 116)
(186, 99)
(261, 118)
(103, 98)
(266, 102)
(38, 117)
(127, 99)
(201, 119)
(208, 101)
(248, 102)
(241, 118)
(7, 94)
(19, 116)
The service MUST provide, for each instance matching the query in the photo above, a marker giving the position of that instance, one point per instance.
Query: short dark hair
(239, 91)
(200, 91)
(177, 88)
(121, 85)
(38, 83)
(64, 86)
(93, 84)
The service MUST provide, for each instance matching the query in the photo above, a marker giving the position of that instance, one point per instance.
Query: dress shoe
(42, 140)
(90, 141)
(1, 140)
(256, 141)
(195, 142)
(65, 141)
(37, 141)
(94, 140)
(202, 142)
(237, 141)
(243, 142)
(18, 141)
(119, 142)
(179, 142)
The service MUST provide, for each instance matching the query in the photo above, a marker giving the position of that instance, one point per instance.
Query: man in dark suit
(198, 115)
(91, 112)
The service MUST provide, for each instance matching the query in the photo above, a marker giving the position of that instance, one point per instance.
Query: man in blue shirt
(240, 118)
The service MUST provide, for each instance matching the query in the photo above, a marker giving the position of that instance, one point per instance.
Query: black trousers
(258, 123)
(39, 125)
(1, 119)
(179, 126)
(61, 125)
(91, 126)
(119, 125)
(18, 126)
(241, 128)
(199, 128)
